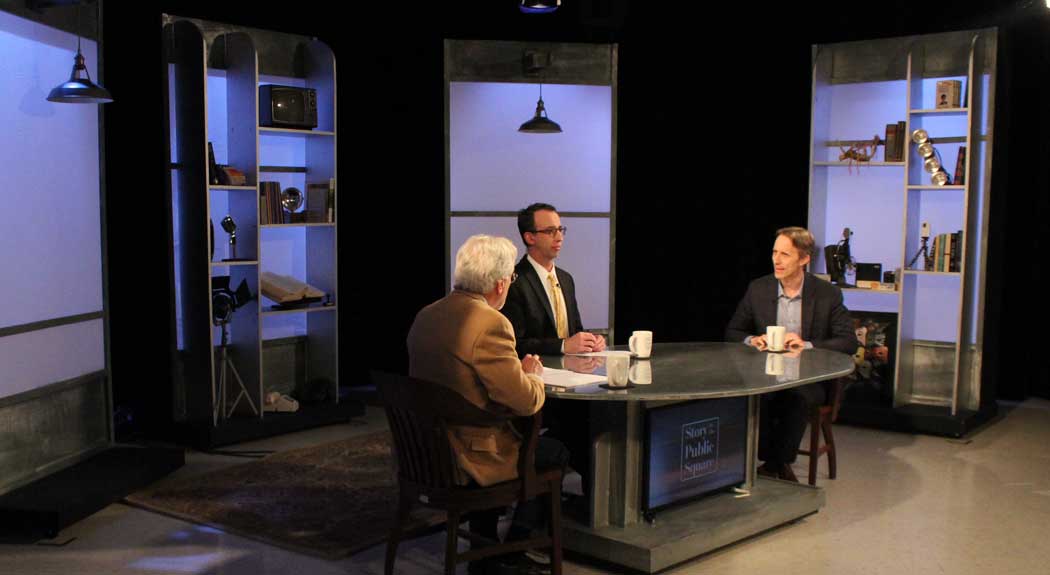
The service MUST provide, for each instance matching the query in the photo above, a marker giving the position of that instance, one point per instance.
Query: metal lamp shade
(539, 6)
(79, 89)
(540, 124)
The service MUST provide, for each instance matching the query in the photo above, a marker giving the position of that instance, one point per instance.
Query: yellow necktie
(559, 307)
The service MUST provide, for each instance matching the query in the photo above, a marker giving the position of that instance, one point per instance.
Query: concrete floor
(901, 504)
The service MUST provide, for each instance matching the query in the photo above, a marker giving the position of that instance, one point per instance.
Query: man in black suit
(812, 312)
(541, 305)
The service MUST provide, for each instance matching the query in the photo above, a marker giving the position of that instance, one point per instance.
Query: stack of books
(896, 136)
(947, 252)
(270, 210)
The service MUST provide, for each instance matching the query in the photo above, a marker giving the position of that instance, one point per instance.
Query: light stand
(224, 303)
(225, 363)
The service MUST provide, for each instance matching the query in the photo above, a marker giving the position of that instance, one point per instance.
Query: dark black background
(714, 113)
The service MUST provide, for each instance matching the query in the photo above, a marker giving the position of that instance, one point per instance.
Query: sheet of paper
(565, 378)
(606, 353)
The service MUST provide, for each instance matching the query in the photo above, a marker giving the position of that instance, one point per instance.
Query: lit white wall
(50, 242)
(495, 168)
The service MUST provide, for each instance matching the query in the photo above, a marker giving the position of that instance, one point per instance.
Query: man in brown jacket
(462, 341)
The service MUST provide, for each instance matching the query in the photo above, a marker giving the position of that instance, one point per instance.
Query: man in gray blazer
(813, 314)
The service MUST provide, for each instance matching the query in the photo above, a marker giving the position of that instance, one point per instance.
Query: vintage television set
(287, 107)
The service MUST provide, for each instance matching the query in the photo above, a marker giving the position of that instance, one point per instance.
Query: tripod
(219, 403)
(924, 251)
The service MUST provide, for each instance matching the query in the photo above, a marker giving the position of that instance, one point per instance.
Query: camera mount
(224, 303)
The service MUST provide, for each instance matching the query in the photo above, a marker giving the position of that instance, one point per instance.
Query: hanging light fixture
(79, 89)
(544, 6)
(540, 124)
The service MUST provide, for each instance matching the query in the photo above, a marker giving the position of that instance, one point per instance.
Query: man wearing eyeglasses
(541, 306)
(542, 303)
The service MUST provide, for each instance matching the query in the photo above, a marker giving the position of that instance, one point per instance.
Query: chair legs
(814, 446)
(451, 542)
(555, 527)
(819, 425)
(404, 506)
(829, 440)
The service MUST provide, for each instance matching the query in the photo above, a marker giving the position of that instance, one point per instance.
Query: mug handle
(630, 343)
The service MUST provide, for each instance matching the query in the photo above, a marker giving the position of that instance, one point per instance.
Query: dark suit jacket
(825, 320)
(529, 310)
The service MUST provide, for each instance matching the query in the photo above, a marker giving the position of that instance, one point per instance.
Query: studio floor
(901, 504)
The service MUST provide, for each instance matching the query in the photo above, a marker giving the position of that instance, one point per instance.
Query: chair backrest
(419, 413)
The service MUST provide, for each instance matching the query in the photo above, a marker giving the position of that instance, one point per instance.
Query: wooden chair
(419, 413)
(820, 419)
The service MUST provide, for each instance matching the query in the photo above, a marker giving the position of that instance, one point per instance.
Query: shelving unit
(932, 382)
(214, 74)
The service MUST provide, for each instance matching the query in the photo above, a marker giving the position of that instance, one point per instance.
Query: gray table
(618, 531)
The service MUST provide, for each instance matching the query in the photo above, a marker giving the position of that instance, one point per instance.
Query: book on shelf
(270, 208)
(956, 249)
(948, 93)
(938, 265)
(320, 202)
(286, 289)
(213, 168)
(960, 167)
(889, 153)
(889, 148)
(946, 243)
(269, 195)
(902, 140)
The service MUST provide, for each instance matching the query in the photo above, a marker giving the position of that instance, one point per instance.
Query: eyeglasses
(551, 231)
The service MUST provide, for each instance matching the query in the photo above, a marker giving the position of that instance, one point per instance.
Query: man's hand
(599, 343)
(794, 341)
(583, 342)
(759, 342)
(532, 364)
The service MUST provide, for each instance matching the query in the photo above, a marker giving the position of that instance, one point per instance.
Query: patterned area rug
(330, 500)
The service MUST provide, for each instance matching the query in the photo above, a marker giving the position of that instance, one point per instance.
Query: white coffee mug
(641, 343)
(774, 364)
(616, 368)
(642, 372)
(775, 337)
